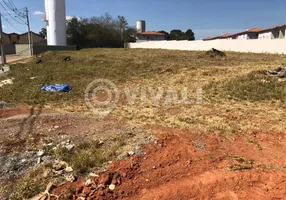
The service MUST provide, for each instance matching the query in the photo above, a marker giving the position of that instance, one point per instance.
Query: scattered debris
(40, 153)
(111, 187)
(279, 71)
(59, 165)
(67, 58)
(264, 81)
(69, 147)
(215, 52)
(6, 82)
(69, 169)
(56, 88)
(45, 195)
(70, 178)
(3, 105)
(89, 182)
(39, 61)
(5, 68)
(131, 153)
(39, 160)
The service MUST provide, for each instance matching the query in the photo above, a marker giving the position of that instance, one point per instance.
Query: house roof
(207, 38)
(225, 35)
(13, 33)
(253, 30)
(151, 33)
(32, 33)
(276, 27)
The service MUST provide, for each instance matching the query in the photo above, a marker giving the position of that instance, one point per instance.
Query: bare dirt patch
(186, 165)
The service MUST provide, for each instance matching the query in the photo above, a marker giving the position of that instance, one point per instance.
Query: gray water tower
(141, 26)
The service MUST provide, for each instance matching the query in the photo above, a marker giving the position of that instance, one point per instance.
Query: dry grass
(235, 99)
(234, 96)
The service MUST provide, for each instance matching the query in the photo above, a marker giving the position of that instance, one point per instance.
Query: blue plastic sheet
(57, 88)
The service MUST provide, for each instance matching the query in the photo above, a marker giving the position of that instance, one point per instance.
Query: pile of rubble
(99, 186)
(279, 72)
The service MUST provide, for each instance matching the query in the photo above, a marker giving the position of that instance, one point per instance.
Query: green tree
(76, 32)
(189, 35)
(167, 35)
(43, 33)
(176, 34)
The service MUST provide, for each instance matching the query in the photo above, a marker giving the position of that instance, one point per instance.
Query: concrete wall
(256, 46)
(23, 49)
(43, 48)
(9, 49)
(5, 39)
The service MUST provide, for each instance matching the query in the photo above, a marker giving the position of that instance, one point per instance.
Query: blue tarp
(57, 88)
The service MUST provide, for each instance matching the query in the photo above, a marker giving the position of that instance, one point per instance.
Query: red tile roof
(225, 35)
(151, 33)
(207, 38)
(276, 27)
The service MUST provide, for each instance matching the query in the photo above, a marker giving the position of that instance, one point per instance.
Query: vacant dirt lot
(230, 145)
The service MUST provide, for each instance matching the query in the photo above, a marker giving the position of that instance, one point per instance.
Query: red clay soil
(185, 165)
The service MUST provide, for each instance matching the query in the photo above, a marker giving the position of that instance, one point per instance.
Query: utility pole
(3, 55)
(29, 32)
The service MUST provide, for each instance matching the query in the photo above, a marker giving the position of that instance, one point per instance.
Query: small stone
(112, 187)
(69, 169)
(56, 127)
(3, 105)
(59, 165)
(70, 147)
(23, 160)
(70, 178)
(86, 191)
(40, 153)
(93, 175)
(131, 153)
(101, 142)
(104, 179)
(154, 167)
(49, 144)
(88, 182)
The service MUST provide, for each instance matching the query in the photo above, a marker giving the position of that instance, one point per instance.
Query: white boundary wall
(255, 46)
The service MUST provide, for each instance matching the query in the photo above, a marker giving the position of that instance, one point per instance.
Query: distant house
(15, 38)
(207, 38)
(221, 37)
(278, 32)
(248, 34)
(36, 38)
(150, 36)
(226, 36)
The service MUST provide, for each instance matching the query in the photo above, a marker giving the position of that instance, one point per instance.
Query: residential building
(15, 38)
(150, 36)
(248, 34)
(278, 32)
(36, 38)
